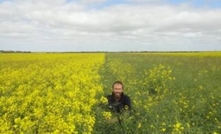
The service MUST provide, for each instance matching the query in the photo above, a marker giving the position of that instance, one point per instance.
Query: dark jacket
(118, 106)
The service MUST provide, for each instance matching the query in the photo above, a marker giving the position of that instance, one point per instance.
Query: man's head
(117, 88)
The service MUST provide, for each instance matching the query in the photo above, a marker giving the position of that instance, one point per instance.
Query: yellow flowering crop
(107, 115)
(49, 93)
(65, 93)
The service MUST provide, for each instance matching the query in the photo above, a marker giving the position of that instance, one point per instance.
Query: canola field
(174, 93)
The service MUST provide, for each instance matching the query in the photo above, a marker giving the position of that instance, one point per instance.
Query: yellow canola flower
(139, 125)
(103, 100)
(163, 129)
(178, 127)
(107, 115)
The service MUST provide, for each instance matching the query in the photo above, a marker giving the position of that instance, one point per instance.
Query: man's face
(118, 89)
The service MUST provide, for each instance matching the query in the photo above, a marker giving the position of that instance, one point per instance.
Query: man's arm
(127, 105)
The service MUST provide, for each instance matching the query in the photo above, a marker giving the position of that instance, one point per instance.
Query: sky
(110, 25)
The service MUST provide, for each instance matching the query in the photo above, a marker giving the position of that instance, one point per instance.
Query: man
(118, 101)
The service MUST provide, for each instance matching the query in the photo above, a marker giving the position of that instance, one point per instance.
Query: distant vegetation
(11, 51)
(14, 51)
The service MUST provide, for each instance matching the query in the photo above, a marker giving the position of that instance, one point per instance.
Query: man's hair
(118, 82)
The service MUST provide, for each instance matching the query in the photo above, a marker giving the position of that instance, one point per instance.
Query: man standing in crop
(118, 101)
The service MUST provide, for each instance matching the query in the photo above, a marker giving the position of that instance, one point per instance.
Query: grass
(188, 104)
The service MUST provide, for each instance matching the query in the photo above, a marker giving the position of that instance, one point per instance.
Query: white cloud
(71, 26)
(92, 1)
(145, 1)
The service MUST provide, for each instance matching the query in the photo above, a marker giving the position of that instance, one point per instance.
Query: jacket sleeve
(128, 103)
